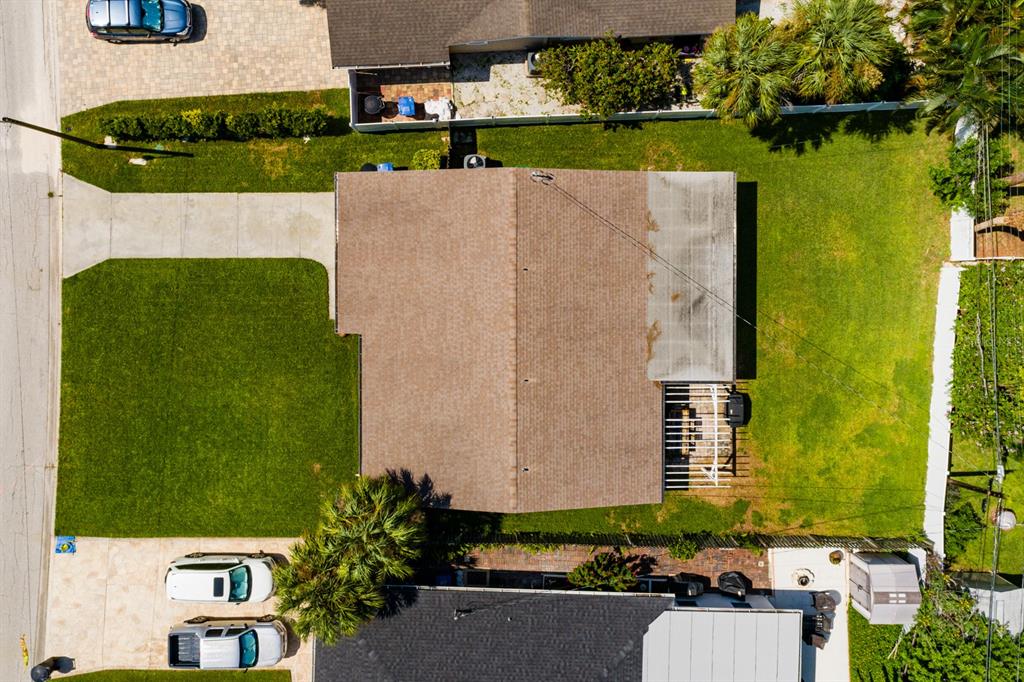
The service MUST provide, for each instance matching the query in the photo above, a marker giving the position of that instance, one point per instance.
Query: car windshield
(249, 649)
(240, 584)
(152, 15)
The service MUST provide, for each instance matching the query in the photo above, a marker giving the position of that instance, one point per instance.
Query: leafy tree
(962, 525)
(745, 71)
(948, 639)
(955, 183)
(971, 61)
(841, 48)
(608, 571)
(371, 533)
(604, 78)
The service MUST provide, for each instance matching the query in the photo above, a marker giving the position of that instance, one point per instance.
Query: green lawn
(870, 646)
(186, 676)
(202, 398)
(849, 243)
(288, 165)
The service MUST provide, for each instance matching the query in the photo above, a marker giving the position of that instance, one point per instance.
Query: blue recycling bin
(406, 106)
(385, 167)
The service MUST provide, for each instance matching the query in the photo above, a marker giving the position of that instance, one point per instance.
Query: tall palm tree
(971, 59)
(842, 48)
(745, 70)
(369, 534)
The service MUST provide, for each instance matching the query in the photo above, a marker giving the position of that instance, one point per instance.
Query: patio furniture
(373, 105)
(815, 640)
(823, 602)
(736, 409)
(406, 106)
(440, 109)
(819, 623)
(685, 586)
(734, 583)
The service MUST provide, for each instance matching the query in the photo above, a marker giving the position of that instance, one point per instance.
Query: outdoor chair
(823, 602)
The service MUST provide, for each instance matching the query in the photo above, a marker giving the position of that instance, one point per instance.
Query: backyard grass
(284, 165)
(869, 649)
(848, 245)
(202, 398)
(186, 676)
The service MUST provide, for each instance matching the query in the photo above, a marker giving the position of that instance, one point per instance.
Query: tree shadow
(423, 488)
(396, 599)
(806, 132)
(746, 280)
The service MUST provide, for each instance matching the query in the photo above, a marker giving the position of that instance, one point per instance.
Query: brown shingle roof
(504, 331)
(367, 33)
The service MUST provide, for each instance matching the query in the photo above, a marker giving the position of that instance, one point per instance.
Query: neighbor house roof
(472, 635)
(366, 33)
(726, 645)
(514, 331)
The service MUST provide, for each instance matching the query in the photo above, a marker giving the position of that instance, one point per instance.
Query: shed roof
(506, 346)
(885, 588)
(364, 33)
(723, 645)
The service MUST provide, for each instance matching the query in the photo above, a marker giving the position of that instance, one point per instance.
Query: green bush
(195, 124)
(962, 525)
(607, 571)
(426, 159)
(683, 549)
(954, 183)
(605, 78)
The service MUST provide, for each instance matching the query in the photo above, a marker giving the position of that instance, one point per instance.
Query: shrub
(202, 125)
(604, 78)
(609, 571)
(304, 122)
(962, 525)
(123, 127)
(683, 549)
(426, 159)
(954, 183)
(242, 126)
(196, 124)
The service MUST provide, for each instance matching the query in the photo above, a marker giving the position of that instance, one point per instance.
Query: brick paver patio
(239, 46)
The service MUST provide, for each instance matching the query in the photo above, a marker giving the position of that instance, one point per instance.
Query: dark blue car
(139, 21)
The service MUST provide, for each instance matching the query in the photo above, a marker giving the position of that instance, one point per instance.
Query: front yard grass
(849, 244)
(283, 165)
(202, 398)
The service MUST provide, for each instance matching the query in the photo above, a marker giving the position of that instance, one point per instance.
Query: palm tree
(842, 48)
(371, 533)
(745, 70)
(971, 62)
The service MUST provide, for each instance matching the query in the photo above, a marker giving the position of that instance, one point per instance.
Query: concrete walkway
(938, 425)
(99, 225)
(108, 609)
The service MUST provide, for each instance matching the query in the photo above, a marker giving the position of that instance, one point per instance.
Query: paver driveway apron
(237, 46)
(108, 608)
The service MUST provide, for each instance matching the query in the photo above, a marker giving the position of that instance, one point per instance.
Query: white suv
(220, 578)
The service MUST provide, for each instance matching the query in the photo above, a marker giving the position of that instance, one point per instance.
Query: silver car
(237, 578)
(227, 644)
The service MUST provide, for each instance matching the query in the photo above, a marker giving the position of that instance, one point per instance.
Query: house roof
(364, 33)
(499, 635)
(724, 645)
(507, 344)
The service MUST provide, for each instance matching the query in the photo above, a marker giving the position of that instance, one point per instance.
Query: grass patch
(202, 398)
(849, 241)
(189, 676)
(869, 649)
(286, 165)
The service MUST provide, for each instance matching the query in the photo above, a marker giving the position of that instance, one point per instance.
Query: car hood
(196, 585)
(262, 582)
(177, 16)
(271, 644)
(221, 653)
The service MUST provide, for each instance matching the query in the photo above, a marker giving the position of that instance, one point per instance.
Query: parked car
(252, 643)
(139, 21)
(220, 578)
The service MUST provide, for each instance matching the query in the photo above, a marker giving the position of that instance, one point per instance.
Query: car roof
(115, 13)
(198, 585)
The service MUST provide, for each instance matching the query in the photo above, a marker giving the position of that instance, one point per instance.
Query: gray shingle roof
(500, 636)
(365, 33)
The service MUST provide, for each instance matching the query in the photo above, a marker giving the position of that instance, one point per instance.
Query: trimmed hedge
(196, 124)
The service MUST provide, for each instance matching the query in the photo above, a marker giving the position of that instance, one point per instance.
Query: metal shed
(1007, 600)
(885, 588)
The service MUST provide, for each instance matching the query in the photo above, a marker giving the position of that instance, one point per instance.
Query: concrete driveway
(107, 607)
(99, 225)
(238, 46)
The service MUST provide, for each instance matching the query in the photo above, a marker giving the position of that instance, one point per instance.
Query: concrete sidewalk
(99, 225)
(108, 609)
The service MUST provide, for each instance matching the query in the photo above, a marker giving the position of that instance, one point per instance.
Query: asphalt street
(29, 324)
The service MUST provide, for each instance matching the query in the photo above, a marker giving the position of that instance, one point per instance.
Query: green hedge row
(196, 124)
